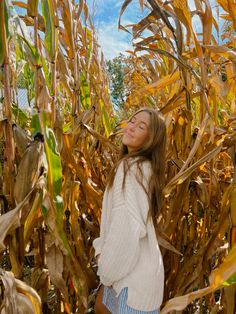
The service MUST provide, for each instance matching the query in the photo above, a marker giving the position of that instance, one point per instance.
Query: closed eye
(143, 126)
(132, 120)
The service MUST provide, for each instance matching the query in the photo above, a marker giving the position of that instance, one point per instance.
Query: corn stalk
(9, 170)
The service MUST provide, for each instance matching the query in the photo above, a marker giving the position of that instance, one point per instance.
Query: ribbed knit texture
(129, 253)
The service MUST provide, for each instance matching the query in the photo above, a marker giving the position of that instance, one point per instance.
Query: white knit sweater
(129, 252)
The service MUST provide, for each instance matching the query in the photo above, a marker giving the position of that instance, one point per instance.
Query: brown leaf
(28, 170)
(55, 267)
(223, 51)
(18, 296)
(10, 221)
(21, 138)
(180, 177)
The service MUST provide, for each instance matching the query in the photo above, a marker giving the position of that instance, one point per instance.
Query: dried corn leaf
(18, 296)
(55, 267)
(217, 279)
(179, 178)
(28, 169)
(22, 140)
(10, 221)
(223, 51)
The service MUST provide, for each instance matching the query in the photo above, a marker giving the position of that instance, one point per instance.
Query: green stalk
(54, 75)
(7, 112)
(37, 68)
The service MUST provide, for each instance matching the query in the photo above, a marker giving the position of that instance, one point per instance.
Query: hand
(97, 258)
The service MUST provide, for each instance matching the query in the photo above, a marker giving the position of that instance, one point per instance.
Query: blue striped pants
(118, 304)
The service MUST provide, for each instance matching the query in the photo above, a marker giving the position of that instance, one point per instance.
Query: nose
(132, 127)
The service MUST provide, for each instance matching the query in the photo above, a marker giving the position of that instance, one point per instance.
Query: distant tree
(116, 70)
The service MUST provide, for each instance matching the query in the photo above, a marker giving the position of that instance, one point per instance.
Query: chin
(124, 142)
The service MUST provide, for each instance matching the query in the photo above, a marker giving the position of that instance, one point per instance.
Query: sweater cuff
(105, 281)
(97, 246)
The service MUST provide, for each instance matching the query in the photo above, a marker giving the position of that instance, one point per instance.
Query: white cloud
(105, 14)
(112, 41)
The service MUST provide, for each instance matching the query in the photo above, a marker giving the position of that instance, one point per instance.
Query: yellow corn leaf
(232, 11)
(224, 271)
(66, 79)
(81, 5)
(18, 296)
(20, 4)
(217, 279)
(65, 7)
(230, 7)
(158, 85)
(196, 143)
(124, 6)
(180, 177)
(233, 206)
(180, 303)
(207, 20)
(183, 12)
(223, 51)
(34, 217)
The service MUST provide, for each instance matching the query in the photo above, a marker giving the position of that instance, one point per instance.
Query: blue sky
(105, 15)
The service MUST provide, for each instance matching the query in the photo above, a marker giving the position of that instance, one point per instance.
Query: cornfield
(55, 157)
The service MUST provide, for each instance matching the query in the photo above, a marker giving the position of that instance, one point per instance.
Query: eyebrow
(140, 121)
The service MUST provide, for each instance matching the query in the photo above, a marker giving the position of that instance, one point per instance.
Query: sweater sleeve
(121, 249)
(97, 246)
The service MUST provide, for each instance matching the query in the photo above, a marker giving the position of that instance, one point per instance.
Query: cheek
(143, 138)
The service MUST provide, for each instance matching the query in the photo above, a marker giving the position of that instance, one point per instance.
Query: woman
(130, 264)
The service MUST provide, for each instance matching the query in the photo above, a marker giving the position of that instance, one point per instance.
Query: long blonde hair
(154, 151)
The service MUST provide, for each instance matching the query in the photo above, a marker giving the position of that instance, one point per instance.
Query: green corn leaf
(48, 74)
(53, 160)
(35, 125)
(29, 82)
(105, 119)
(32, 52)
(230, 281)
(90, 41)
(55, 188)
(6, 20)
(67, 127)
(85, 92)
(51, 38)
(20, 115)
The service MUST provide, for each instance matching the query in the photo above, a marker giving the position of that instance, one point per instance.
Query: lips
(128, 134)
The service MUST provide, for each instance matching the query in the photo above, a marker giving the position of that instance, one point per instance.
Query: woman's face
(136, 132)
